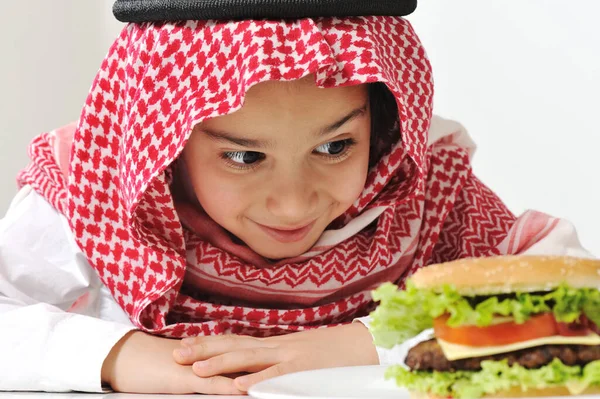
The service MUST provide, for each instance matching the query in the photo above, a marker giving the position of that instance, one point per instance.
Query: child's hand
(264, 358)
(142, 363)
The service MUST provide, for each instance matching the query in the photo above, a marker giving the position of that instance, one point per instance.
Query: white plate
(346, 382)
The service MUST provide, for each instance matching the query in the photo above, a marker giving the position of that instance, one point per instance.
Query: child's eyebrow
(219, 135)
(351, 116)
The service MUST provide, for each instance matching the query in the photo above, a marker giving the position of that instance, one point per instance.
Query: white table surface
(35, 395)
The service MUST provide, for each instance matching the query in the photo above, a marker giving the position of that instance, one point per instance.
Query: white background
(522, 75)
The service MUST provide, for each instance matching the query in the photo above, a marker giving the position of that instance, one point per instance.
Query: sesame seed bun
(508, 274)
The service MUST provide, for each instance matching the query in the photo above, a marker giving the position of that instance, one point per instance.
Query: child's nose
(293, 201)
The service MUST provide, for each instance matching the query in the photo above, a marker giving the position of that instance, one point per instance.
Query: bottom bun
(517, 393)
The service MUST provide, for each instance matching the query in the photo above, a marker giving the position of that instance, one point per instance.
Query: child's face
(277, 172)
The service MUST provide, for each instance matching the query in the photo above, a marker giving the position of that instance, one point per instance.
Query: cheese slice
(457, 352)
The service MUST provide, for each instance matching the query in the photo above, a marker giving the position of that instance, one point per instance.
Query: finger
(233, 376)
(247, 360)
(246, 382)
(217, 385)
(208, 347)
(214, 338)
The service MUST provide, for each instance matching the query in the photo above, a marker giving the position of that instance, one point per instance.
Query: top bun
(508, 274)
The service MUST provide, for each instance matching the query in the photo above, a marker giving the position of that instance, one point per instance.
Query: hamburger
(512, 326)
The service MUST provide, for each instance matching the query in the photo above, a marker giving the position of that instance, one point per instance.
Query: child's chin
(279, 251)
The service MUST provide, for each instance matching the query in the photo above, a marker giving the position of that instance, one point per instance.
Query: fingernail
(185, 352)
(188, 341)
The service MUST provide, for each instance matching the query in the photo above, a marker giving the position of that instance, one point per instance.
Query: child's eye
(243, 159)
(335, 148)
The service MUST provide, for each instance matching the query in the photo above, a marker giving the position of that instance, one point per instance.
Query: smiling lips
(288, 235)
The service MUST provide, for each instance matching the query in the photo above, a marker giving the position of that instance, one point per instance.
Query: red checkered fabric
(160, 80)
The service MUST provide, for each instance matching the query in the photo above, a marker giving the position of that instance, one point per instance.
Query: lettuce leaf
(571, 302)
(402, 314)
(495, 376)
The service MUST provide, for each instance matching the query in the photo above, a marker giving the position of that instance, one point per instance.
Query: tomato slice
(539, 326)
(590, 324)
(571, 329)
(578, 328)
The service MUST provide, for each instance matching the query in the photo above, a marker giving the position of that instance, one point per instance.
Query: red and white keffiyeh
(160, 80)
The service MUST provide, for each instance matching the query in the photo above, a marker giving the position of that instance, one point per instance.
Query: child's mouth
(288, 235)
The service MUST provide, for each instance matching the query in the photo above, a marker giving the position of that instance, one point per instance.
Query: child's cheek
(221, 198)
(350, 182)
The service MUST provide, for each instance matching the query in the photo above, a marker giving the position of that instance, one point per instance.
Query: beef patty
(428, 356)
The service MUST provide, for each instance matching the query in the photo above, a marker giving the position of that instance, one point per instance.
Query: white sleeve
(533, 233)
(58, 320)
(398, 353)
(391, 356)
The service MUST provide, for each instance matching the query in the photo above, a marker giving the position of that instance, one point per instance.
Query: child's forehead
(304, 89)
(296, 103)
(305, 83)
